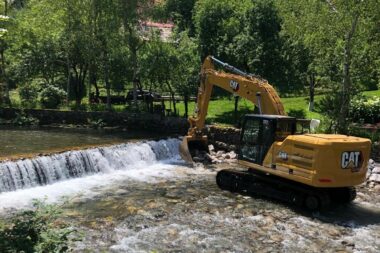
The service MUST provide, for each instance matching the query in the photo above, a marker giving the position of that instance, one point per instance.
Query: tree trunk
(5, 96)
(92, 82)
(68, 81)
(347, 84)
(174, 104)
(135, 79)
(312, 92)
(106, 80)
(186, 101)
(236, 109)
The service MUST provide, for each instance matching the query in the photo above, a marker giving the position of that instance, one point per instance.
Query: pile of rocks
(213, 156)
(373, 175)
(223, 138)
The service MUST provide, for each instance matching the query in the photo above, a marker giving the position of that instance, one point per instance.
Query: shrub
(37, 230)
(52, 97)
(96, 123)
(365, 110)
(75, 107)
(299, 114)
(23, 119)
(28, 95)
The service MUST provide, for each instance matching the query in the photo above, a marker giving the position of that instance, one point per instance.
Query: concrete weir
(49, 169)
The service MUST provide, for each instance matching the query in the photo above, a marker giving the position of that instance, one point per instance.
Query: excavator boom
(248, 86)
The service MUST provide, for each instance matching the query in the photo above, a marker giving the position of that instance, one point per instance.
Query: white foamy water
(84, 172)
(204, 232)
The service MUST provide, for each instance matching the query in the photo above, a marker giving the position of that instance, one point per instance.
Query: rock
(375, 178)
(368, 174)
(376, 170)
(216, 161)
(232, 147)
(239, 206)
(198, 159)
(221, 145)
(227, 156)
(211, 148)
(220, 153)
(233, 155)
(334, 232)
(377, 188)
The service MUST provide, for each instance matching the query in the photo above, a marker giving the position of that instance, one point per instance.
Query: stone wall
(223, 138)
(149, 122)
(375, 152)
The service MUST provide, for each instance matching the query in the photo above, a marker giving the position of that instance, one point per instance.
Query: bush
(75, 107)
(28, 95)
(52, 97)
(23, 119)
(299, 114)
(37, 230)
(365, 110)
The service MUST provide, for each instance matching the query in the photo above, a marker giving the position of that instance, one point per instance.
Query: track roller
(343, 195)
(254, 183)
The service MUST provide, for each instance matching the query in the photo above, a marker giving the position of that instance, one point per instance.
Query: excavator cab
(259, 132)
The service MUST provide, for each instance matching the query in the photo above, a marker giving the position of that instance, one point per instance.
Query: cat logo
(234, 85)
(351, 160)
(283, 155)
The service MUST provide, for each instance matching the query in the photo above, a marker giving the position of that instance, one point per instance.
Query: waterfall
(44, 170)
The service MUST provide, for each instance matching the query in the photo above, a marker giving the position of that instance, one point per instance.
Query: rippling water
(155, 203)
(20, 141)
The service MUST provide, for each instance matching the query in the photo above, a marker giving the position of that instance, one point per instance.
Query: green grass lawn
(222, 110)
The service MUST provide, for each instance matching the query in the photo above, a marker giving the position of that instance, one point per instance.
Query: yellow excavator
(282, 160)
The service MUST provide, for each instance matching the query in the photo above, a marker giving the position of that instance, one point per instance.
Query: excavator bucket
(189, 147)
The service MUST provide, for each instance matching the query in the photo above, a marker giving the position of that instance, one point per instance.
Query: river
(140, 197)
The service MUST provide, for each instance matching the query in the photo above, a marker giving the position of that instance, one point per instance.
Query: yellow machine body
(318, 160)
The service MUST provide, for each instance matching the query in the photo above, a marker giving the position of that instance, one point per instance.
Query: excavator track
(254, 183)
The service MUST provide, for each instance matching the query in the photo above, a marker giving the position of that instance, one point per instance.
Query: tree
(181, 12)
(335, 34)
(186, 72)
(248, 35)
(4, 90)
(104, 23)
(131, 13)
(34, 54)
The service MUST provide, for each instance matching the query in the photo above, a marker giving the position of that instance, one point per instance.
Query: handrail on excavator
(229, 67)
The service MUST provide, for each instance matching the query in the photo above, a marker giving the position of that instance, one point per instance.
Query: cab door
(256, 139)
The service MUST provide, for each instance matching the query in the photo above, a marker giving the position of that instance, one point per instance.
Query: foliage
(96, 123)
(329, 106)
(336, 34)
(299, 114)
(23, 119)
(248, 35)
(186, 73)
(373, 135)
(365, 110)
(28, 95)
(82, 45)
(36, 230)
(52, 97)
(181, 12)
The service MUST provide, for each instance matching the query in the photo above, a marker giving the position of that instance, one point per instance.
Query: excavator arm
(250, 87)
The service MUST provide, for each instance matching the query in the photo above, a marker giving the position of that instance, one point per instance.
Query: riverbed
(151, 201)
